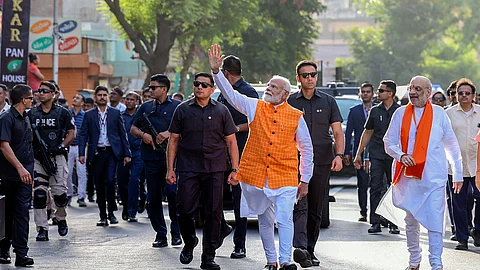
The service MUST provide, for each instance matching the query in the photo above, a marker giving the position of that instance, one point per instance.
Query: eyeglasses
(438, 99)
(380, 90)
(153, 87)
(453, 93)
(30, 97)
(45, 90)
(203, 84)
(461, 93)
(306, 74)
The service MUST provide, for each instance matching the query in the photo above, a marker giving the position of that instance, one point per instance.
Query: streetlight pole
(55, 42)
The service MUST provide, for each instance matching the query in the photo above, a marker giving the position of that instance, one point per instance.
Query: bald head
(419, 90)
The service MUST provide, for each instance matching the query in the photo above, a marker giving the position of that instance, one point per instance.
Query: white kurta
(425, 198)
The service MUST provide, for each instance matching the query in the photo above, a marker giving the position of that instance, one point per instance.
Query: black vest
(49, 126)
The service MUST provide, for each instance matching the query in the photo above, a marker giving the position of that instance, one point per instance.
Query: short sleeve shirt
(16, 129)
(379, 120)
(160, 118)
(319, 112)
(135, 143)
(246, 89)
(202, 147)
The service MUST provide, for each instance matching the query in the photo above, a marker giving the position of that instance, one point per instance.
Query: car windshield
(344, 105)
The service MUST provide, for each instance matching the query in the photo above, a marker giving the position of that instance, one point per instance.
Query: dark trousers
(155, 172)
(307, 213)
(17, 198)
(143, 190)
(191, 186)
(380, 180)
(90, 182)
(104, 166)
(362, 189)
(460, 209)
(450, 201)
(128, 178)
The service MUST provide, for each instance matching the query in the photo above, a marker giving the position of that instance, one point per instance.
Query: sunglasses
(45, 90)
(380, 90)
(30, 97)
(461, 93)
(153, 87)
(203, 84)
(453, 93)
(438, 99)
(306, 74)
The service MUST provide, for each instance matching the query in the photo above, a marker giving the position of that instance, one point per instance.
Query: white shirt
(5, 108)
(425, 198)
(120, 106)
(248, 106)
(102, 120)
(465, 127)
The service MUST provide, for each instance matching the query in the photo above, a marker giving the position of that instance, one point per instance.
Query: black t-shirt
(379, 120)
(319, 113)
(16, 129)
(202, 146)
(52, 125)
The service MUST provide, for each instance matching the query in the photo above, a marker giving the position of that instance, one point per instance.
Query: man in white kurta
(423, 199)
(270, 203)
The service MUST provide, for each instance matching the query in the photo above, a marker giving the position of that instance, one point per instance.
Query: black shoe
(54, 221)
(186, 256)
(383, 222)
(141, 207)
(289, 266)
(125, 216)
(453, 237)
(42, 235)
(476, 238)
(103, 222)
(158, 243)
(5, 258)
(238, 253)
(302, 257)
(393, 229)
(62, 228)
(132, 219)
(176, 240)
(224, 232)
(112, 218)
(23, 261)
(270, 267)
(91, 199)
(81, 203)
(375, 228)
(362, 218)
(462, 245)
(210, 265)
(315, 260)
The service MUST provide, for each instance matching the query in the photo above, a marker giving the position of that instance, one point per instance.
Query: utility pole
(55, 41)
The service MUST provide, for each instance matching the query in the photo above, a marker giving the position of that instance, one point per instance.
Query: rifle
(46, 160)
(151, 130)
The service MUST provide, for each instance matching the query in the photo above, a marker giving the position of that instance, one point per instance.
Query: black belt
(74, 144)
(103, 148)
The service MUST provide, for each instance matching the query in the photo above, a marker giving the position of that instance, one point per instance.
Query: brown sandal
(413, 267)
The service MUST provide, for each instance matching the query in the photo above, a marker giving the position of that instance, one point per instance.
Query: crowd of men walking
(276, 153)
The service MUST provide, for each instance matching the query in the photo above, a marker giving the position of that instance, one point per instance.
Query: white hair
(285, 80)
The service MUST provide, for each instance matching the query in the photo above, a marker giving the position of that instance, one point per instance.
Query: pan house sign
(41, 30)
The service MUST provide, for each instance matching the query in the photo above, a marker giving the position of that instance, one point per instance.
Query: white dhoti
(271, 205)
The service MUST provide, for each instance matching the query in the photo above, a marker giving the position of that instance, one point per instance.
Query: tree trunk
(187, 61)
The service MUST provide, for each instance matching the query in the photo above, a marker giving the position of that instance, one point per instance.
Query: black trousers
(17, 198)
(104, 166)
(460, 208)
(362, 189)
(307, 213)
(191, 186)
(90, 182)
(380, 180)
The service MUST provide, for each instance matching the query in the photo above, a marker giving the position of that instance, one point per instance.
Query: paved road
(345, 245)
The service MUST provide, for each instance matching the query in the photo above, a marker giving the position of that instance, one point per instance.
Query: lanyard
(104, 118)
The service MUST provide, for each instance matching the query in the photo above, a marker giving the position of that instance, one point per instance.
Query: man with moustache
(356, 121)
(128, 176)
(4, 106)
(380, 163)
(420, 139)
(78, 114)
(200, 133)
(269, 165)
(104, 132)
(321, 113)
(159, 111)
(452, 93)
(17, 163)
(56, 128)
(465, 117)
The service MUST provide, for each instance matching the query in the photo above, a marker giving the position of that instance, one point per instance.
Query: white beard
(277, 99)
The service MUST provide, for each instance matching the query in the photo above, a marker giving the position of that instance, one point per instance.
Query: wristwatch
(340, 155)
(235, 170)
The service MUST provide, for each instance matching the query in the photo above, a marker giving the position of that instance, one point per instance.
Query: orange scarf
(421, 141)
